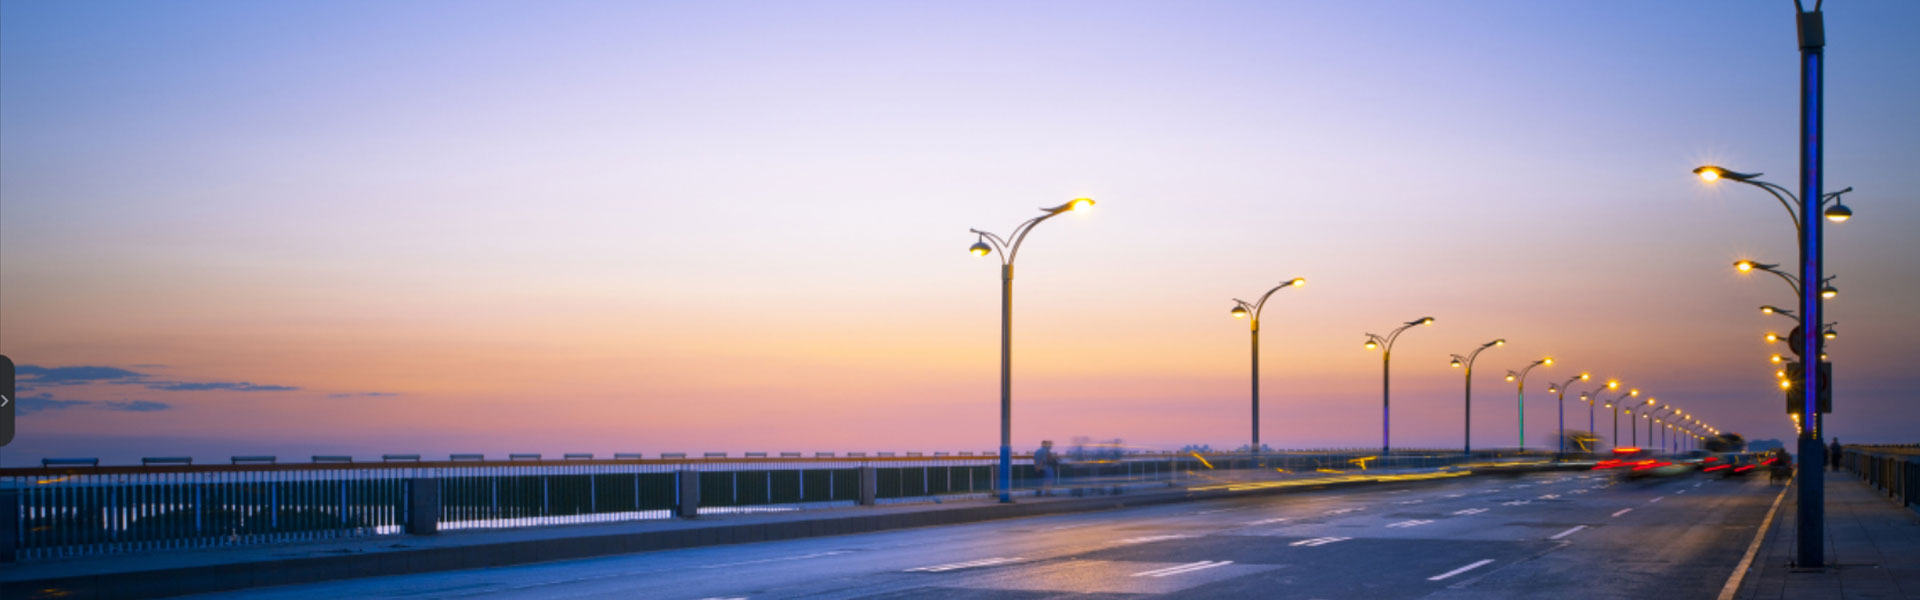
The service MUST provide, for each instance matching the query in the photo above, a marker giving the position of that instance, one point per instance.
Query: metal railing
(72, 508)
(1891, 469)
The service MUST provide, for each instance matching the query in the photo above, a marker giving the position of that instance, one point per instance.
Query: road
(1554, 535)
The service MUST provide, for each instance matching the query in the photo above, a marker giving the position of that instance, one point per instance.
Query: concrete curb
(157, 583)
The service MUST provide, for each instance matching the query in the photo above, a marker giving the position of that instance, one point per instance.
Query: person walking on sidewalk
(1833, 455)
(1046, 464)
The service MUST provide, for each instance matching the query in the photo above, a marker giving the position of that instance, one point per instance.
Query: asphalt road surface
(1556, 535)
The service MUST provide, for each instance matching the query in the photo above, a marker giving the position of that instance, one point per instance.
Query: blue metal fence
(72, 508)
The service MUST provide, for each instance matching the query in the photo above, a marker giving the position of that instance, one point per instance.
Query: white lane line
(1655, 499)
(984, 562)
(1319, 541)
(1578, 491)
(1412, 502)
(1341, 511)
(1267, 521)
(1740, 572)
(1460, 570)
(780, 559)
(1622, 512)
(1410, 523)
(1186, 568)
(1567, 532)
(1208, 512)
(1151, 538)
(1681, 492)
(1470, 511)
(1453, 495)
(1516, 503)
(1549, 496)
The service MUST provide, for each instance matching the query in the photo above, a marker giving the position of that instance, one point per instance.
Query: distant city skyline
(354, 228)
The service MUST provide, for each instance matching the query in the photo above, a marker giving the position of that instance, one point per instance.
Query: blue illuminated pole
(1562, 390)
(1467, 362)
(1812, 499)
(1009, 248)
(1385, 343)
(1521, 377)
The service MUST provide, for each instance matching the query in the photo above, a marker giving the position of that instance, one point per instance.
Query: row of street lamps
(1008, 249)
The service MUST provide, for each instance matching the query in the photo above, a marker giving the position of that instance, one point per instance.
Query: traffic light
(1794, 373)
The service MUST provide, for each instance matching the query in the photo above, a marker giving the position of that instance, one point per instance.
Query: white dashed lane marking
(1655, 499)
(1470, 511)
(1567, 532)
(984, 562)
(1186, 568)
(1151, 538)
(1410, 523)
(1267, 521)
(1319, 541)
(1460, 570)
(1622, 512)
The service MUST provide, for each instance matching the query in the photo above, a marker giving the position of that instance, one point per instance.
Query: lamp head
(1239, 312)
(1829, 292)
(1839, 213)
(1553, 389)
(1548, 361)
(1613, 384)
(1772, 337)
(1743, 266)
(1429, 320)
(1509, 375)
(1633, 393)
(1711, 173)
(1371, 345)
(980, 249)
(1456, 362)
(1775, 359)
(1080, 204)
(1500, 342)
(1298, 281)
(1830, 334)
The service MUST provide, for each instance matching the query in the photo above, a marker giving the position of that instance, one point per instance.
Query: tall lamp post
(1655, 422)
(989, 244)
(1811, 519)
(1615, 405)
(1244, 310)
(1562, 390)
(1385, 343)
(1467, 363)
(1521, 378)
(1592, 398)
(1633, 428)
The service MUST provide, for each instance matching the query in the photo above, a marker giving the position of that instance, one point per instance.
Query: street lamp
(1633, 429)
(1592, 398)
(1562, 390)
(1385, 343)
(1467, 362)
(1008, 251)
(1243, 310)
(1654, 420)
(1521, 378)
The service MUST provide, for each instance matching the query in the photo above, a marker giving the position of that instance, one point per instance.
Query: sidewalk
(1873, 549)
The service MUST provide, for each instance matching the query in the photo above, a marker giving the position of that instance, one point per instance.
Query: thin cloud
(35, 375)
(362, 395)
(38, 375)
(135, 405)
(45, 402)
(210, 386)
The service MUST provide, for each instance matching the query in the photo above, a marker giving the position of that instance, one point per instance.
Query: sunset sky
(304, 228)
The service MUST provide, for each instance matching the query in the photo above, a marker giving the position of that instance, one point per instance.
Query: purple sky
(362, 227)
